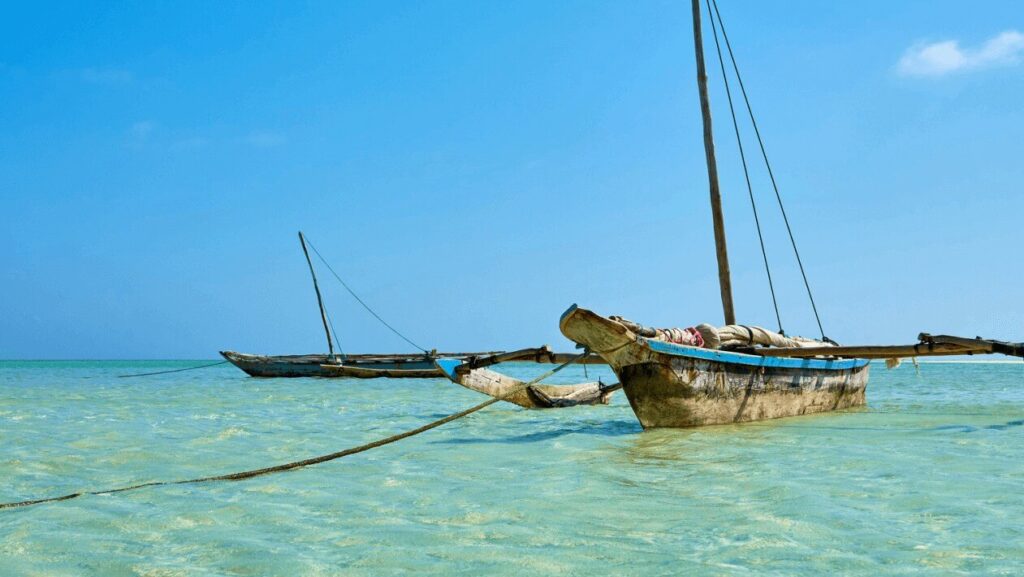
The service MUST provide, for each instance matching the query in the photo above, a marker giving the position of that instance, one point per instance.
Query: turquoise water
(928, 480)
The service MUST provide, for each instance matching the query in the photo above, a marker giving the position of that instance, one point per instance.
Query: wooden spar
(930, 346)
(872, 352)
(319, 299)
(724, 280)
(998, 347)
(542, 354)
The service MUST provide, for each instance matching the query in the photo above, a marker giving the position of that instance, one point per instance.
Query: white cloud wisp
(946, 57)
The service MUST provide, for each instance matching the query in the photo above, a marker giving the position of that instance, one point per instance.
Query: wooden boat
(363, 366)
(358, 366)
(371, 366)
(675, 385)
(393, 366)
(671, 385)
(512, 390)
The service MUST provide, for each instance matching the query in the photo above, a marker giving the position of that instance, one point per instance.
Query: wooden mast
(724, 281)
(319, 299)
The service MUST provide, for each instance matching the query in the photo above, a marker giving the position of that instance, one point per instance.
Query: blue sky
(473, 168)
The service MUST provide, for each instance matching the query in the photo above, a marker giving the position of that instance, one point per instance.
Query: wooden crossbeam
(930, 346)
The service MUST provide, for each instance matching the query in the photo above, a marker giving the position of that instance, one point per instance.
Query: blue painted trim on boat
(447, 367)
(752, 360)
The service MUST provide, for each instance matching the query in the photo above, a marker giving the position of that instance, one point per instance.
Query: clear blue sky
(473, 168)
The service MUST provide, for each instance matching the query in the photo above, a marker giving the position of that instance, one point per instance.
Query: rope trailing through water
(746, 171)
(171, 371)
(360, 301)
(768, 165)
(304, 462)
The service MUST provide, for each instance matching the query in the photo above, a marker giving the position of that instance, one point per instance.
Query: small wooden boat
(671, 385)
(371, 366)
(514, 391)
(361, 366)
(392, 366)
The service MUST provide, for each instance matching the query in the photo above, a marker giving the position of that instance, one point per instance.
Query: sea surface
(927, 480)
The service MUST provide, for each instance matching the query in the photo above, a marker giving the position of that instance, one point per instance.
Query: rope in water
(360, 301)
(171, 370)
(304, 462)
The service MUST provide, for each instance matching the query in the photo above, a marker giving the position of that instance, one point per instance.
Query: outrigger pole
(319, 299)
(928, 346)
(724, 281)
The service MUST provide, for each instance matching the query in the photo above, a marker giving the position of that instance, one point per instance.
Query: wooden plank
(930, 346)
(530, 354)
(879, 352)
(542, 354)
(999, 347)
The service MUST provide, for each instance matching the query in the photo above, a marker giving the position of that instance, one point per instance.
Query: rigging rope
(171, 371)
(337, 340)
(310, 461)
(746, 172)
(360, 301)
(771, 174)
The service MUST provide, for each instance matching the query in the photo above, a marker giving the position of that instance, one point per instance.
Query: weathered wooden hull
(392, 366)
(358, 366)
(512, 390)
(410, 370)
(671, 385)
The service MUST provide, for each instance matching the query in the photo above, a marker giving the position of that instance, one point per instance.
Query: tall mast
(319, 300)
(724, 281)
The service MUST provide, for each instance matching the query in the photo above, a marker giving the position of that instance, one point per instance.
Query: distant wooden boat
(372, 366)
(512, 390)
(357, 366)
(311, 365)
(671, 385)
(392, 366)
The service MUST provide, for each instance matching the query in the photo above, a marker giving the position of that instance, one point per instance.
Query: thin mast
(319, 299)
(724, 281)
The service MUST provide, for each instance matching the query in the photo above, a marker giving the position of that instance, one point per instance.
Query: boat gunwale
(736, 358)
(732, 357)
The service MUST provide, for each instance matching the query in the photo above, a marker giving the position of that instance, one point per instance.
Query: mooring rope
(305, 462)
(171, 371)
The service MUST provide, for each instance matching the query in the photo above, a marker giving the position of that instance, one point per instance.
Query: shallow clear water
(927, 480)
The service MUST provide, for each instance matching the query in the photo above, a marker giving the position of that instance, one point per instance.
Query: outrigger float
(474, 375)
(692, 377)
